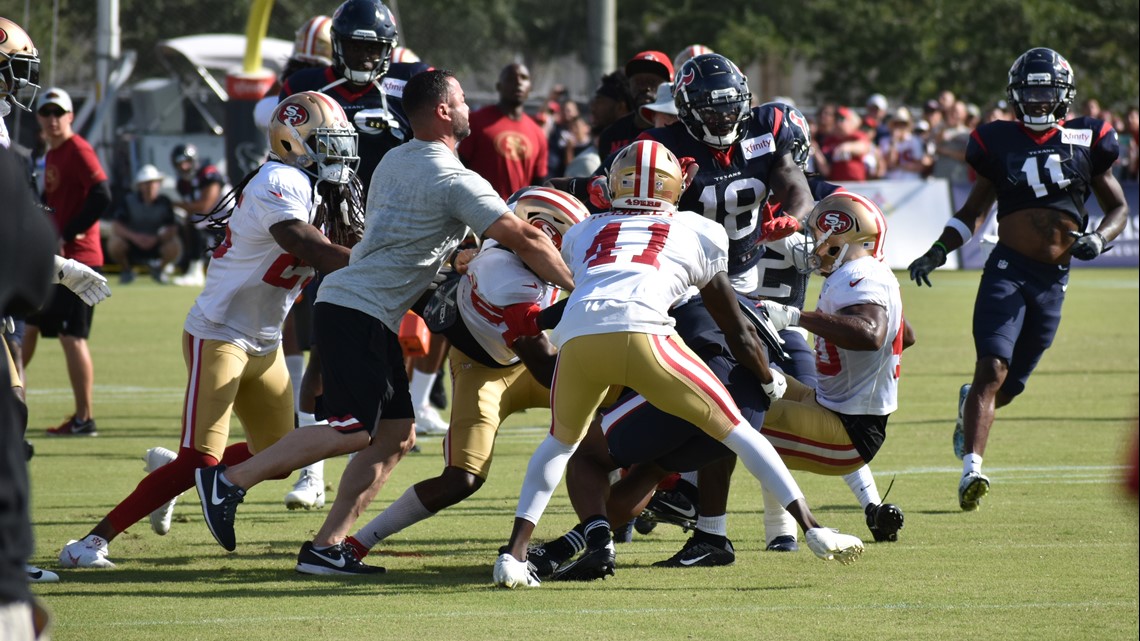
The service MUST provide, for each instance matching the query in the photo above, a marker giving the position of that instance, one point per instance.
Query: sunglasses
(48, 112)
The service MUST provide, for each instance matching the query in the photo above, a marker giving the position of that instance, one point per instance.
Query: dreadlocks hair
(340, 214)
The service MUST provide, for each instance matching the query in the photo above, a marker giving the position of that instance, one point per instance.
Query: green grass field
(1052, 554)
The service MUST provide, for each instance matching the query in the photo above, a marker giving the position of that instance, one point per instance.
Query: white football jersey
(629, 269)
(252, 282)
(495, 279)
(861, 382)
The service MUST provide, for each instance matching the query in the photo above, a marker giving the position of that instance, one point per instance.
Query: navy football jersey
(1049, 169)
(378, 130)
(779, 279)
(732, 193)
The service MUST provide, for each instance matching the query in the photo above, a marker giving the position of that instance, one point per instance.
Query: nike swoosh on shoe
(337, 561)
(694, 561)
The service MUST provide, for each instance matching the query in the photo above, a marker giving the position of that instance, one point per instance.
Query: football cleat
(884, 520)
(90, 552)
(701, 552)
(339, 559)
(671, 506)
(595, 563)
(161, 518)
(543, 560)
(972, 489)
(308, 492)
(832, 545)
(429, 422)
(509, 572)
(39, 575)
(959, 425)
(783, 543)
(219, 504)
(643, 526)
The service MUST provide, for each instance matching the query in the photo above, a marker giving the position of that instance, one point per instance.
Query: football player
(19, 73)
(630, 266)
(232, 336)
(496, 371)
(200, 185)
(1039, 169)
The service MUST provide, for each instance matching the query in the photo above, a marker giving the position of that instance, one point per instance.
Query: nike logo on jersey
(856, 281)
(694, 561)
(688, 512)
(335, 561)
(531, 285)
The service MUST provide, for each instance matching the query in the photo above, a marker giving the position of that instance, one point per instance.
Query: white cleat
(160, 519)
(39, 575)
(429, 422)
(832, 545)
(512, 573)
(308, 493)
(90, 552)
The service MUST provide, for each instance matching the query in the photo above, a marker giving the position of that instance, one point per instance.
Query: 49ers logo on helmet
(836, 222)
(293, 115)
(3, 36)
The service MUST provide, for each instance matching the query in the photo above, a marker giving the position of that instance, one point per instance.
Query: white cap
(147, 173)
(55, 96)
(877, 100)
(663, 104)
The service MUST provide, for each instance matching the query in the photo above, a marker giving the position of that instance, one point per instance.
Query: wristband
(940, 245)
(962, 229)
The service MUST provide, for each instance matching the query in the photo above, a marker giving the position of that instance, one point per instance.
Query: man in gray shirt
(421, 203)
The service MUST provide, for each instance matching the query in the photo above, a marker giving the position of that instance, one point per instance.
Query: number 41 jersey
(1047, 169)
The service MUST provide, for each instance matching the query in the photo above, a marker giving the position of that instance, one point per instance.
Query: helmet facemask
(19, 79)
(719, 117)
(1041, 88)
(352, 49)
(329, 154)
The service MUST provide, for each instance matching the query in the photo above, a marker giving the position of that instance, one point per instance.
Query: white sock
(403, 512)
(305, 419)
(543, 474)
(971, 463)
(421, 387)
(691, 477)
(862, 483)
(713, 524)
(316, 470)
(777, 521)
(295, 363)
(763, 462)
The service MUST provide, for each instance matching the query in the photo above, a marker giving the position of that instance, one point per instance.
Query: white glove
(781, 316)
(775, 390)
(88, 285)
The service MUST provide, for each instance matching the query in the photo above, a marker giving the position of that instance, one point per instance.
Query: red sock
(158, 487)
(236, 453)
(361, 551)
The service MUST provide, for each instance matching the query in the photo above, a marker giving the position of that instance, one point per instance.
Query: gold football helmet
(309, 130)
(313, 42)
(842, 227)
(645, 175)
(19, 65)
(550, 210)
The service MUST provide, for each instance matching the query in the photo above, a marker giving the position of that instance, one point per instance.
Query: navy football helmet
(1041, 88)
(801, 132)
(363, 36)
(713, 100)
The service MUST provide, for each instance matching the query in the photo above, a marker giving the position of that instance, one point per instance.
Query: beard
(461, 130)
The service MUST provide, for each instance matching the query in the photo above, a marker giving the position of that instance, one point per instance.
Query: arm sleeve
(97, 203)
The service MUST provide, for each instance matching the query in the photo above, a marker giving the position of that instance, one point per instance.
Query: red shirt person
(506, 146)
(846, 148)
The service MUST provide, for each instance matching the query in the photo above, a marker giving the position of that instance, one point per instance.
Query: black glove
(1087, 246)
(920, 269)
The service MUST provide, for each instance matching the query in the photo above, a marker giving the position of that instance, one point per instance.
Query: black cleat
(643, 526)
(595, 563)
(884, 520)
(219, 504)
(543, 561)
(785, 543)
(671, 506)
(701, 552)
(340, 559)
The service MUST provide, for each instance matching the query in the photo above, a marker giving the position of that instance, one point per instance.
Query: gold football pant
(809, 436)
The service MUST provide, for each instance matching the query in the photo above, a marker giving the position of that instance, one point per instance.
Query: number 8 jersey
(1048, 169)
(252, 282)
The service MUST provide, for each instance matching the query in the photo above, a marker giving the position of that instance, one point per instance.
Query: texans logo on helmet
(796, 119)
(293, 115)
(686, 78)
(836, 222)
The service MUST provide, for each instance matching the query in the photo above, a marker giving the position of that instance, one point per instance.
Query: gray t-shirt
(142, 218)
(421, 203)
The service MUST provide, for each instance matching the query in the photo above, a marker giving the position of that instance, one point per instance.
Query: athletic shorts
(64, 315)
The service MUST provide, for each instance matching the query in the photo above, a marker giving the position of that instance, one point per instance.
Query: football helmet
(363, 35)
(1041, 88)
(800, 130)
(713, 100)
(645, 175)
(404, 54)
(313, 42)
(688, 53)
(182, 153)
(842, 227)
(551, 211)
(19, 65)
(309, 131)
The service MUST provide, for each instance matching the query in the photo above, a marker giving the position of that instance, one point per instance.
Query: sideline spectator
(200, 186)
(570, 138)
(645, 71)
(663, 111)
(846, 148)
(613, 99)
(875, 119)
(506, 146)
(903, 152)
(950, 146)
(145, 229)
(76, 188)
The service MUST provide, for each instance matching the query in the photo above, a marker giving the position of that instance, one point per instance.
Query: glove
(689, 169)
(775, 390)
(599, 190)
(920, 269)
(781, 316)
(521, 320)
(88, 285)
(778, 227)
(1087, 246)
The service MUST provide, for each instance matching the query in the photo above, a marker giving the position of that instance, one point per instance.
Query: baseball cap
(663, 104)
(877, 100)
(55, 96)
(902, 114)
(653, 62)
(147, 173)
